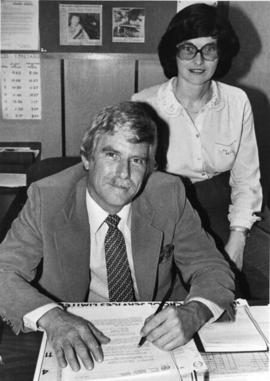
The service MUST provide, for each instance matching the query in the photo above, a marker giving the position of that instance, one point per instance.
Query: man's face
(116, 171)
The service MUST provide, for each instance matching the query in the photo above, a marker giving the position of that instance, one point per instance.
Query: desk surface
(19, 354)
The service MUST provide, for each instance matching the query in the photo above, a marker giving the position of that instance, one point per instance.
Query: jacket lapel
(146, 242)
(72, 237)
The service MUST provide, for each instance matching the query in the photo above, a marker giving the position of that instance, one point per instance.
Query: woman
(211, 128)
(75, 28)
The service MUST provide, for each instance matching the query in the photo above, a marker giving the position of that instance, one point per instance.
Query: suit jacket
(52, 230)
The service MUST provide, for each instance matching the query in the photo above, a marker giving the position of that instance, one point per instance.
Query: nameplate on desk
(12, 180)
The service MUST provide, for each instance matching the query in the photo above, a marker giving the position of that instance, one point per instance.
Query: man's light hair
(131, 117)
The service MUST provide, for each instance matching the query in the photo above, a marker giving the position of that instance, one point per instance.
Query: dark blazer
(53, 228)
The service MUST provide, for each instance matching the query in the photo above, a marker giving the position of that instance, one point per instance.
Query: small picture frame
(80, 24)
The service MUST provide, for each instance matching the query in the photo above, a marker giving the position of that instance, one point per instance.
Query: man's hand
(73, 337)
(235, 248)
(175, 326)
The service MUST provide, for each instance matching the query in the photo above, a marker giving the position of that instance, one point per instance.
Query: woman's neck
(192, 97)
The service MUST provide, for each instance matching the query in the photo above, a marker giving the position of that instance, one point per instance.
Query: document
(12, 180)
(21, 86)
(261, 314)
(20, 28)
(242, 335)
(123, 359)
(242, 366)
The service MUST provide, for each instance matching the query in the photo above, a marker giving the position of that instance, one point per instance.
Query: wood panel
(150, 73)
(48, 129)
(89, 86)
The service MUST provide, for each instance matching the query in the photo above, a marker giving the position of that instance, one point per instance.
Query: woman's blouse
(221, 138)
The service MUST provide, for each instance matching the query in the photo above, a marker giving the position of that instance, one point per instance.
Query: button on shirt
(221, 138)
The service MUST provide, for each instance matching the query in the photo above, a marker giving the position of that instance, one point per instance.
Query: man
(70, 224)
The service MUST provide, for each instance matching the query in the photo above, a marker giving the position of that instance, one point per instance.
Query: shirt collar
(169, 104)
(97, 215)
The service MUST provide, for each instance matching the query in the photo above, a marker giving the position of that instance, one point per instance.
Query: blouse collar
(170, 106)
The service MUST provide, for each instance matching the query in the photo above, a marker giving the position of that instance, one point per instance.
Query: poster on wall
(19, 25)
(20, 86)
(80, 24)
(128, 24)
(183, 4)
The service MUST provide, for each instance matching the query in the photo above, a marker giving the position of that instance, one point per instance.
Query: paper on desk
(17, 149)
(240, 335)
(12, 180)
(245, 366)
(123, 357)
(262, 316)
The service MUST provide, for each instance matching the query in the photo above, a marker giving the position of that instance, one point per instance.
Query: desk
(15, 160)
(19, 354)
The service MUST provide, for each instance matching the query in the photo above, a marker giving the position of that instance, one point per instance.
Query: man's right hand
(73, 337)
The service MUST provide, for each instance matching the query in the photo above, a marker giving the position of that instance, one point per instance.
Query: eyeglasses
(188, 51)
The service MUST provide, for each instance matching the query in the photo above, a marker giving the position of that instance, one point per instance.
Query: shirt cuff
(242, 217)
(213, 307)
(31, 318)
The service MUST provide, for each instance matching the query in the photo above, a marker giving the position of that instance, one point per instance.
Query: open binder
(242, 335)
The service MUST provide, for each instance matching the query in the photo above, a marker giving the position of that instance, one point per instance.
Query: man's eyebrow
(109, 148)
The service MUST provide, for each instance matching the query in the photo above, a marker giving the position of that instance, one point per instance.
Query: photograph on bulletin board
(80, 24)
(128, 24)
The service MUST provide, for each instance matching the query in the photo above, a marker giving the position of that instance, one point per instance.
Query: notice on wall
(20, 86)
(80, 24)
(19, 25)
(183, 4)
(128, 25)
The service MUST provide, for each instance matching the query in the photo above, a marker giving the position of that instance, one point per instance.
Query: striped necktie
(118, 272)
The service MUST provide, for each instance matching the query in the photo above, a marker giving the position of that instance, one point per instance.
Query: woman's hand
(235, 247)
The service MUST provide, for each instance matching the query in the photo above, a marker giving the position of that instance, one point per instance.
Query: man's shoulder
(54, 190)
(162, 179)
(67, 176)
(163, 192)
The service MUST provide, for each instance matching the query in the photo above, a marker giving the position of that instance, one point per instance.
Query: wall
(92, 81)
(251, 71)
(48, 129)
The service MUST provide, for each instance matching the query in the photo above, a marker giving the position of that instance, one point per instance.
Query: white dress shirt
(98, 290)
(98, 228)
(221, 138)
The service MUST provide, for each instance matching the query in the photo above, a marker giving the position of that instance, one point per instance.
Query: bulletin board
(156, 15)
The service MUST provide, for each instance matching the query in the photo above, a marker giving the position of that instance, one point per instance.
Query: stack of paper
(241, 335)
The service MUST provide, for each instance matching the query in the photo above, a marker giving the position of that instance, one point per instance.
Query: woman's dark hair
(198, 20)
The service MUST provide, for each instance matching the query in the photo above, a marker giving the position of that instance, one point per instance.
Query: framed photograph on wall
(128, 24)
(80, 24)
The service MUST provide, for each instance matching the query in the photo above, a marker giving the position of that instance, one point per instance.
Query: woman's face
(197, 70)
(75, 20)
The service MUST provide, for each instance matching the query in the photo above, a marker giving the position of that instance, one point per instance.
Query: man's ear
(85, 162)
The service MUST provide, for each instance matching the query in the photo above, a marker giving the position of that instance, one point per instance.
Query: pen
(165, 298)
